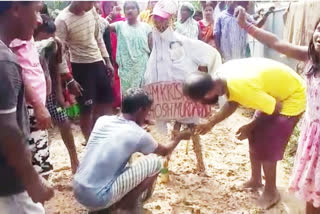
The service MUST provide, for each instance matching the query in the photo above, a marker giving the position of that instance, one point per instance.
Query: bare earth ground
(227, 165)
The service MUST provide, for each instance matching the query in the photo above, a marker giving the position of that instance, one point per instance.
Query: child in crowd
(51, 50)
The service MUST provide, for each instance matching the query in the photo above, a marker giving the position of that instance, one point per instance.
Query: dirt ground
(227, 166)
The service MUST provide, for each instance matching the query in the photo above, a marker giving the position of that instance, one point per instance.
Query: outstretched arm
(264, 18)
(164, 150)
(224, 113)
(271, 40)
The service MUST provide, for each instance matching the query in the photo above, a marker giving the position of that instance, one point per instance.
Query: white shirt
(175, 56)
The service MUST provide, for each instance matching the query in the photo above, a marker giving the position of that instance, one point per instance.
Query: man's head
(161, 23)
(21, 17)
(84, 5)
(163, 14)
(202, 88)
(232, 5)
(136, 103)
(198, 15)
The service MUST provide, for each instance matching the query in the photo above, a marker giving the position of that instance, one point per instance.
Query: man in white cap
(174, 57)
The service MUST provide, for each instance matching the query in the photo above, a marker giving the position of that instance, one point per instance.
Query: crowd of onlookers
(101, 55)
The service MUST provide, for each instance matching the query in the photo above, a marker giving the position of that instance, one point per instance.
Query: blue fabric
(230, 37)
(110, 146)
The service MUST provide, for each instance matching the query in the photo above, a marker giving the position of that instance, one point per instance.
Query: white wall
(274, 24)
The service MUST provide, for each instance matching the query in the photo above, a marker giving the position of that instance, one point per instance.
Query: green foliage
(196, 5)
(59, 5)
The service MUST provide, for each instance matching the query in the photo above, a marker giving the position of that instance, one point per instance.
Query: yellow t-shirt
(258, 83)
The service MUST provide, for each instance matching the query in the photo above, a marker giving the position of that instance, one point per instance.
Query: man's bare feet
(202, 174)
(268, 199)
(252, 184)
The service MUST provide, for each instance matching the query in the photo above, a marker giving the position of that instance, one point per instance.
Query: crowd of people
(104, 55)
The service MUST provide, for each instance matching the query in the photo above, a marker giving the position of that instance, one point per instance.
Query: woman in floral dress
(133, 47)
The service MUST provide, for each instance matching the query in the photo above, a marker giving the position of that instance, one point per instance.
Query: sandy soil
(227, 166)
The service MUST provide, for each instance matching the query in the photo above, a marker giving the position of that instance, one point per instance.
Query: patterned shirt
(83, 36)
(230, 37)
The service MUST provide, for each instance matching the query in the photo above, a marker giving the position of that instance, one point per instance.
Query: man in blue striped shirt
(230, 38)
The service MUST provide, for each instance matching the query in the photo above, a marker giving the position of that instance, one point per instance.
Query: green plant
(56, 5)
(196, 5)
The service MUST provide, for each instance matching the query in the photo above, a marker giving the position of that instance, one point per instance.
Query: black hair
(45, 10)
(47, 25)
(135, 4)
(212, 4)
(198, 13)
(134, 99)
(197, 85)
(6, 5)
(313, 56)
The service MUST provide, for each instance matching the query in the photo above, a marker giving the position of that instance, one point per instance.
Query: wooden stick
(187, 147)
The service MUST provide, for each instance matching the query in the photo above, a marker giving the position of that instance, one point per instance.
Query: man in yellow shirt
(277, 94)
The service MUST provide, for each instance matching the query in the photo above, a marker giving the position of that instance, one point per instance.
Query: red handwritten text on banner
(170, 103)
